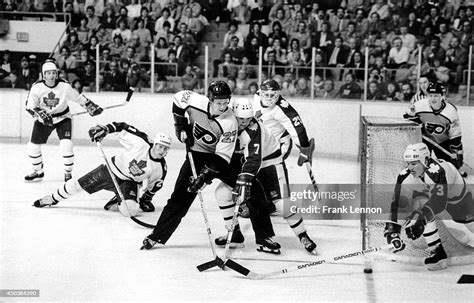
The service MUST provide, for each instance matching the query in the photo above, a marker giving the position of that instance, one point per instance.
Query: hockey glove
(205, 177)
(181, 127)
(97, 133)
(92, 108)
(145, 202)
(241, 191)
(244, 211)
(306, 153)
(392, 234)
(44, 116)
(415, 223)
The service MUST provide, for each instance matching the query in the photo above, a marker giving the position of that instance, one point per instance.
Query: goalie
(142, 160)
(436, 185)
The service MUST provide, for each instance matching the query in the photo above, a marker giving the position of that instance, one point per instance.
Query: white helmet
(242, 108)
(163, 139)
(47, 66)
(416, 152)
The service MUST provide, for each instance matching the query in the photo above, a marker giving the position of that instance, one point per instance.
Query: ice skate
(45, 201)
(267, 245)
(148, 244)
(67, 176)
(237, 240)
(437, 259)
(308, 244)
(34, 177)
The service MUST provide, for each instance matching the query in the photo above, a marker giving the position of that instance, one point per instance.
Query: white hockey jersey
(282, 119)
(54, 100)
(211, 134)
(135, 162)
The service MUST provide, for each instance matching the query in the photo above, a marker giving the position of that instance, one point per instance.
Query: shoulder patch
(433, 168)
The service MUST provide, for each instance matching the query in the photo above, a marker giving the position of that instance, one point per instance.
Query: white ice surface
(76, 251)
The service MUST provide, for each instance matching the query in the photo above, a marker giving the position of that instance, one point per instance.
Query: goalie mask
(269, 93)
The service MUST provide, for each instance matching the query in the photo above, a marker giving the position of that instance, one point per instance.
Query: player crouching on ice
(142, 160)
(439, 186)
(47, 102)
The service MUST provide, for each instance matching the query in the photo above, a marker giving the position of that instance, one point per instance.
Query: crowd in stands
(392, 31)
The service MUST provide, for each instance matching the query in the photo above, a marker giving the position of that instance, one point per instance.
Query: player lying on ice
(140, 161)
(431, 187)
(257, 174)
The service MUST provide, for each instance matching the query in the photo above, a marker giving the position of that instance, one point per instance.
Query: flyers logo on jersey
(136, 168)
(435, 128)
(51, 101)
(200, 133)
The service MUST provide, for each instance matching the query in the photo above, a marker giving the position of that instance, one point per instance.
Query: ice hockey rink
(76, 251)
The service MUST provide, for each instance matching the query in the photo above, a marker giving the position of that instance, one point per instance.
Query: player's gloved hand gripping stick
(127, 99)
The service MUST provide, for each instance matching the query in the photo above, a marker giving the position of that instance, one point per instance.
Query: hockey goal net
(383, 141)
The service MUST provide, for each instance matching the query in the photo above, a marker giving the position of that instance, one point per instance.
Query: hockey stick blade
(141, 223)
(213, 263)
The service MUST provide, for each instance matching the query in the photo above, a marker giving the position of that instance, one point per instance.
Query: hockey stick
(217, 261)
(117, 187)
(311, 177)
(257, 276)
(127, 99)
(451, 155)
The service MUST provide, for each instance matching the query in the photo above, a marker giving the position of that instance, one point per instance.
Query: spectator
(93, 21)
(280, 17)
(303, 36)
(241, 83)
(393, 25)
(272, 65)
(130, 54)
(165, 17)
(336, 54)
(65, 60)
(392, 92)
(108, 20)
(357, 63)
(137, 77)
(26, 76)
(324, 38)
(302, 88)
(288, 86)
(407, 92)
(338, 21)
(318, 84)
(133, 9)
(183, 54)
(147, 20)
(122, 30)
(231, 83)
(166, 33)
(75, 17)
(353, 48)
(350, 90)
(350, 33)
(241, 13)
(236, 54)
(193, 25)
(233, 27)
(375, 24)
(381, 8)
(459, 19)
(77, 85)
(280, 52)
(434, 52)
(114, 80)
(227, 68)
(279, 6)
(88, 77)
(456, 60)
(190, 80)
(252, 51)
(278, 33)
(374, 93)
(398, 55)
(256, 31)
(294, 23)
(414, 26)
(187, 38)
(172, 64)
(316, 17)
(295, 48)
(73, 42)
(436, 20)
(118, 47)
(91, 47)
(104, 35)
(83, 31)
(260, 13)
(329, 91)
(250, 70)
(408, 40)
(362, 23)
(444, 35)
(253, 88)
(161, 50)
(465, 36)
(214, 10)
(143, 34)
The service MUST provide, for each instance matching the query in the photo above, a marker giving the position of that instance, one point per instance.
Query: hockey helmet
(48, 66)
(416, 152)
(269, 92)
(242, 108)
(436, 88)
(163, 139)
(218, 90)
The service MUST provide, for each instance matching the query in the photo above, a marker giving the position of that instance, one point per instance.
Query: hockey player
(141, 161)
(262, 169)
(440, 123)
(422, 93)
(210, 134)
(436, 185)
(47, 102)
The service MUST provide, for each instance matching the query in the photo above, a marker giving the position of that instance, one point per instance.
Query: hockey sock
(68, 189)
(34, 152)
(68, 155)
(294, 219)
(431, 235)
(226, 204)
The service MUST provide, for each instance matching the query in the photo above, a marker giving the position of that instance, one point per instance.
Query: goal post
(382, 143)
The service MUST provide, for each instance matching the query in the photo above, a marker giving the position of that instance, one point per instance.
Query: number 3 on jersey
(229, 137)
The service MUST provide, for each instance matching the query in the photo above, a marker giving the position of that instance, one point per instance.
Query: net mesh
(383, 142)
